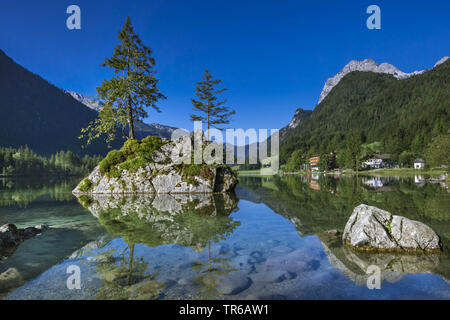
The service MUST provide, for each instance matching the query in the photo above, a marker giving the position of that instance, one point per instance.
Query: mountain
(142, 129)
(86, 101)
(152, 129)
(365, 65)
(36, 113)
(404, 114)
(298, 118)
(441, 61)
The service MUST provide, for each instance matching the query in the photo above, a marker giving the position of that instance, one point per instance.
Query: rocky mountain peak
(142, 129)
(299, 116)
(441, 61)
(84, 100)
(372, 66)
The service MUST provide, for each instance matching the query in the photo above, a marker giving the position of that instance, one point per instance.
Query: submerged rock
(233, 284)
(10, 278)
(372, 228)
(11, 236)
(158, 165)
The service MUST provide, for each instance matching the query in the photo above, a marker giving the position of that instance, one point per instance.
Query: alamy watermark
(73, 22)
(215, 147)
(74, 280)
(374, 20)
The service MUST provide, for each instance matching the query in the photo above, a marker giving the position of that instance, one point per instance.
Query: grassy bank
(398, 172)
(252, 173)
(403, 172)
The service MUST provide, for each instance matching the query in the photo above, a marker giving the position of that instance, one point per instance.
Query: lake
(267, 241)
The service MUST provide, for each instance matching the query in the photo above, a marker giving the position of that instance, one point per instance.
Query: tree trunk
(130, 110)
(130, 120)
(208, 123)
(208, 128)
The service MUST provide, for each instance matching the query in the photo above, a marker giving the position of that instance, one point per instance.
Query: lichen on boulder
(157, 165)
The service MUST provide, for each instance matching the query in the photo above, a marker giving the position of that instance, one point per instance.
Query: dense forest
(402, 117)
(24, 162)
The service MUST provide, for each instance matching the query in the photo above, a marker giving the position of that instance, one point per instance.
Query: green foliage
(406, 159)
(24, 162)
(371, 148)
(295, 161)
(85, 201)
(438, 151)
(129, 92)
(112, 159)
(353, 150)
(388, 228)
(132, 156)
(85, 185)
(327, 161)
(398, 114)
(190, 171)
(213, 112)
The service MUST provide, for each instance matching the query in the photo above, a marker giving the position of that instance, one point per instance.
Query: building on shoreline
(314, 162)
(377, 161)
(419, 164)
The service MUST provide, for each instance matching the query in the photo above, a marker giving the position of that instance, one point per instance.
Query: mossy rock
(150, 165)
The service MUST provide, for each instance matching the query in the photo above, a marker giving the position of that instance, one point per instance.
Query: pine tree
(353, 150)
(214, 112)
(438, 151)
(129, 92)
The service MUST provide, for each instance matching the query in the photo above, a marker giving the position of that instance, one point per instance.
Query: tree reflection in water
(210, 273)
(124, 277)
(154, 220)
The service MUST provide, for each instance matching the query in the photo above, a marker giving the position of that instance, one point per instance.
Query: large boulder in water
(158, 165)
(372, 228)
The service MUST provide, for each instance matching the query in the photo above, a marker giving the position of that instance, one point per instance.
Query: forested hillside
(404, 115)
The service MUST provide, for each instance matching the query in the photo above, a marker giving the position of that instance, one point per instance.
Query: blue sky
(273, 56)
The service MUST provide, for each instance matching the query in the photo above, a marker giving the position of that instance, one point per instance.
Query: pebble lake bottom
(273, 245)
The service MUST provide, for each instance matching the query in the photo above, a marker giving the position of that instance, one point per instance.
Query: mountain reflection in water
(274, 245)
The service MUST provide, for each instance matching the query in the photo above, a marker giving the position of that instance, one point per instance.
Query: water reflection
(22, 192)
(27, 202)
(125, 276)
(193, 220)
(187, 220)
(392, 266)
(274, 246)
(329, 205)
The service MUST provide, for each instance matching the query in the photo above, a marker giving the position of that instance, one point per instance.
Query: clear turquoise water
(268, 243)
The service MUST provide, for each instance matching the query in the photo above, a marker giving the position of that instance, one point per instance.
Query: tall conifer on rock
(212, 111)
(132, 89)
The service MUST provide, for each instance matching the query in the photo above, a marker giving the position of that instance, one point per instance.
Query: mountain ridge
(142, 128)
(402, 114)
(369, 65)
(47, 119)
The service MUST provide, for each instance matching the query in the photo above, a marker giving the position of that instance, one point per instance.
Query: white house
(419, 164)
(377, 161)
